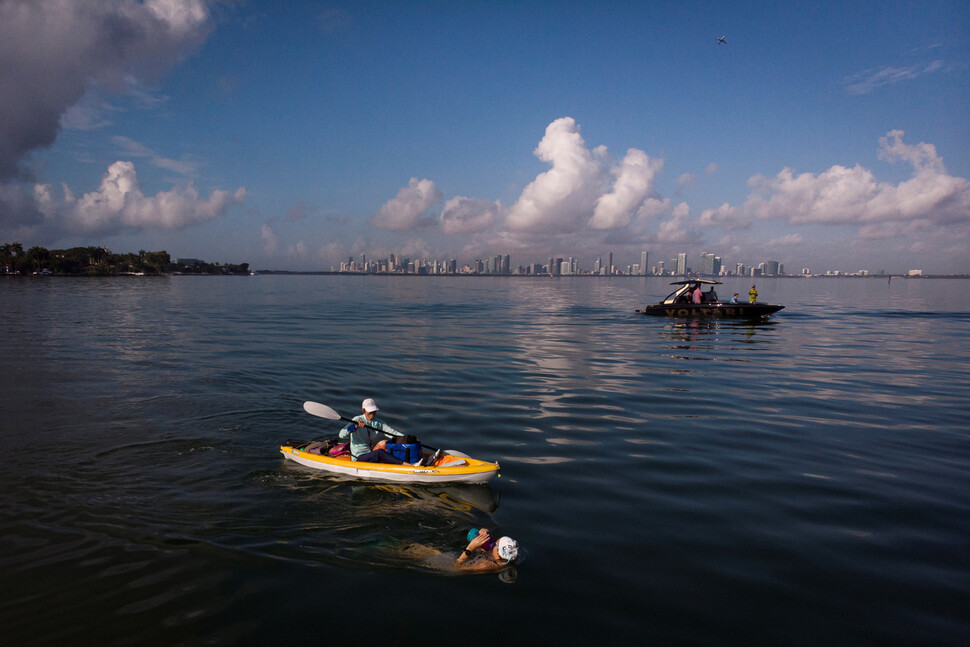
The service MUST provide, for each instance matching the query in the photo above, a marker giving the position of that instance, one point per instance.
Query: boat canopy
(686, 286)
(689, 281)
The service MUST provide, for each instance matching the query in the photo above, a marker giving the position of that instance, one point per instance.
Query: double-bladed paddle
(323, 411)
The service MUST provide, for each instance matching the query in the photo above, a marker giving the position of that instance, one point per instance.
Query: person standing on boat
(711, 296)
(366, 432)
(697, 294)
(752, 294)
(735, 299)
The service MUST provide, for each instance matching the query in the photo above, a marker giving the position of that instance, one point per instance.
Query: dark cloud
(52, 50)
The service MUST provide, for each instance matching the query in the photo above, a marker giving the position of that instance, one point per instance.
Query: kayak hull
(450, 469)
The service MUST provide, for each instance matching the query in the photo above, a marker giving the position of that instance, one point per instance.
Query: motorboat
(680, 303)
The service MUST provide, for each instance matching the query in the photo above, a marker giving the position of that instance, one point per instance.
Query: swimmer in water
(486, 554)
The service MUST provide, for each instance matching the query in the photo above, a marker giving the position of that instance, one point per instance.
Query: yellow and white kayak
(447, 469)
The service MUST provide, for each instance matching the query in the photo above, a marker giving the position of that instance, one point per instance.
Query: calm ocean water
(803, 482)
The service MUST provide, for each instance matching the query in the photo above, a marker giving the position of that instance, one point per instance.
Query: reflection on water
(811, 466)
(715, 339)
(379, 525)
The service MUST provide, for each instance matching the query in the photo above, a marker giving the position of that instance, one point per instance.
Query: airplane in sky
(721, 41)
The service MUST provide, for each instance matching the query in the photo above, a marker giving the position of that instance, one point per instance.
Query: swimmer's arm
(472, 546)
(462, 561)
(482, 565)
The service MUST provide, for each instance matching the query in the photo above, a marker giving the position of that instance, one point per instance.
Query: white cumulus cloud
(463, 215)
(843, 195)
(677, 229)
(634, 183)
(404, 211)
(119, 205)
(563, 197)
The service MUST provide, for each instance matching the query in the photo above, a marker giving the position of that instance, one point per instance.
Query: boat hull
(465, 470)
(697, 310)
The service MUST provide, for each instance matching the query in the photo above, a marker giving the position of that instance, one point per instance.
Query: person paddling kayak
(366, 432)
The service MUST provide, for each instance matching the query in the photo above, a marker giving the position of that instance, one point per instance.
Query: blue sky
(291, 135)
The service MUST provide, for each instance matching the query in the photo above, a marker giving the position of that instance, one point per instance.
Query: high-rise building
(643, 263)
(705, 264)
(682, 263)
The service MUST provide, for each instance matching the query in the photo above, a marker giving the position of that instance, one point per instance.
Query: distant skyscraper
(643, 263)
(609, 264)
(682, 263)
(705, 264)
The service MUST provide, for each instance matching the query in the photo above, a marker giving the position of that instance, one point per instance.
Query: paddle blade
(320, 410)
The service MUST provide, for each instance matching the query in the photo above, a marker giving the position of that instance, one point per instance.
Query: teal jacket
(363, 439)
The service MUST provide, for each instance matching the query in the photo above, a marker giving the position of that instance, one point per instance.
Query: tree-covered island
(100, 261)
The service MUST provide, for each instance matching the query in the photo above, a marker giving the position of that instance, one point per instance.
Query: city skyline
(294, 135)
(707, 264)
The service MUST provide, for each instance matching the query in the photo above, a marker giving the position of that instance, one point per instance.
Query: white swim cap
(508, 548)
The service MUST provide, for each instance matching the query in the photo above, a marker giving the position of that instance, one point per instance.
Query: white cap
(508, 548)
(369, 405)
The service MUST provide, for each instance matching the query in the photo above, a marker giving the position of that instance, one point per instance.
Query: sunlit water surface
(802, 481)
